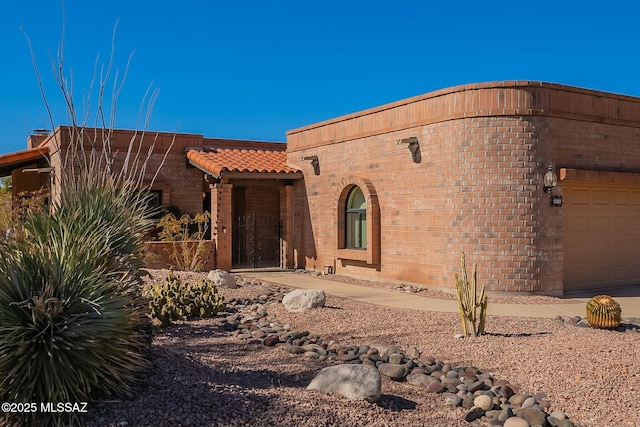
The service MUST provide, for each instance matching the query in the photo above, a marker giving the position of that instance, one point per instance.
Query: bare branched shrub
(188, 237)
(88, 147)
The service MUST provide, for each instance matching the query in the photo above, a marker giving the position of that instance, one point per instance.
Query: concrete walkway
(629, 300)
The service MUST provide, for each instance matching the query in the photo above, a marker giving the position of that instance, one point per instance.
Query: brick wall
(477, 188)
(163, 254)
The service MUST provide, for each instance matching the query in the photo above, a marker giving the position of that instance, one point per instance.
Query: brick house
(198, 174)
(400, 190)
(397, 192)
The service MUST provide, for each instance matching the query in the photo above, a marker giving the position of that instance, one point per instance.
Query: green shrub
(171, 299)
(70, 327)
(95, 200)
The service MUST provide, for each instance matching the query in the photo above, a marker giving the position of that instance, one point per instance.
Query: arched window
(356, 220)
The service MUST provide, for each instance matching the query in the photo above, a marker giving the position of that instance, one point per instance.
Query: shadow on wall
(304, 241)
(620, 291)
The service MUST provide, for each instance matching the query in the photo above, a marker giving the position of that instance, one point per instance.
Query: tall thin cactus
(470, 301)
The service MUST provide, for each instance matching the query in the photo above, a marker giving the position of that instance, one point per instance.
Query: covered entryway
(601, 236)
(256, 223)
(251, 196)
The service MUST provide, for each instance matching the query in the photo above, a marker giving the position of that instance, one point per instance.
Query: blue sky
(255, 69)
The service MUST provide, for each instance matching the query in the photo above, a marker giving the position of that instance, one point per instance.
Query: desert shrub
(95, 200)
(171, 299)
(71, 329)
(188, 233)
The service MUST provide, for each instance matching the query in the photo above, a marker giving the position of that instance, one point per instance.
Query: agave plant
(69, 329)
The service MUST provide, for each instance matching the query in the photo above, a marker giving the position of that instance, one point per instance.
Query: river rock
(355, 382)
(453, 399)
(505, 414)
(484, 402)
(558, 415)
(534, 417)
(271, 340)
(421, 380)
(394, 371)
(396, 358)
(516, 422)
(529, 402)
(518, 398)
(473, 414)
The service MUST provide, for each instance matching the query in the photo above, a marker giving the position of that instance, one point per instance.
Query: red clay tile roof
(220, 160)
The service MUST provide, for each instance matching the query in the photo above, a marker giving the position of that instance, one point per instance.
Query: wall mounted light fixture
(550, 179)
(414, 146)
(314, 162)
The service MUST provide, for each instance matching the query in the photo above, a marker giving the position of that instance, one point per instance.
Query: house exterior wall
(477, 188)
(181, 186)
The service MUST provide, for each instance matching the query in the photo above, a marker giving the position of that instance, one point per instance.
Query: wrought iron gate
(256, 241)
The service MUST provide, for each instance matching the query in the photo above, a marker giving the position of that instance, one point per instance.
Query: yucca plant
(70, 329)
(603, 312)
(93, 200)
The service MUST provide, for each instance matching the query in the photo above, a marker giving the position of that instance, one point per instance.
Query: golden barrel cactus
(603, 312)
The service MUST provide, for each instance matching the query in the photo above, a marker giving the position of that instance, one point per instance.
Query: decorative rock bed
(631, 324)
(489, 401)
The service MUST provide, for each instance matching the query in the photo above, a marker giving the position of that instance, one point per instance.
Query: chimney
(36, 138)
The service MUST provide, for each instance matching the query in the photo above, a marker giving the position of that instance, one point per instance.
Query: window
(356, 220)
(155, 198)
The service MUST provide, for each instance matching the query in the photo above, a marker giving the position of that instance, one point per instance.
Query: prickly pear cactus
(603, 312)
(171, 299)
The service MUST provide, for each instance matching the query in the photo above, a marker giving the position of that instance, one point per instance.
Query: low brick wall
(159, 254)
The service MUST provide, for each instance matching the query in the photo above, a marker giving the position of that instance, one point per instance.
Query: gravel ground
(202, 376)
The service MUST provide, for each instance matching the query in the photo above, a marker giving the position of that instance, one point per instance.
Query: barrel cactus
(603, 312)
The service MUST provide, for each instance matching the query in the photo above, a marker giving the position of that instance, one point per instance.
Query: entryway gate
(256, 241)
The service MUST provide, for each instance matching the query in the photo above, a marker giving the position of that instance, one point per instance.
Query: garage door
(601, 235)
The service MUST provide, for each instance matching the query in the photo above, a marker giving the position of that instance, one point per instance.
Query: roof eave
(261, 175)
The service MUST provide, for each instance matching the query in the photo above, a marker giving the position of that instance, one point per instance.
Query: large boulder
(301, 300)
(222, 279)
(355, 382)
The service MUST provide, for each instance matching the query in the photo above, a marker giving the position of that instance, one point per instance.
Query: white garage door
(601, 235)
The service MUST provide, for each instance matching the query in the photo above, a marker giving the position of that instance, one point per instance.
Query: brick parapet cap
(506, 98)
